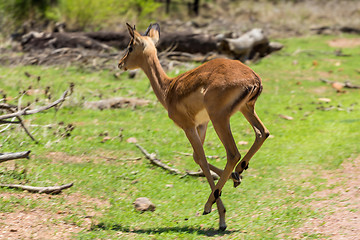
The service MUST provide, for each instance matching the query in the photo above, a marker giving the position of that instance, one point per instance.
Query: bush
(78, 14)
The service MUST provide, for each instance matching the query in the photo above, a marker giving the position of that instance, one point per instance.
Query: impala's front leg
(199, 157)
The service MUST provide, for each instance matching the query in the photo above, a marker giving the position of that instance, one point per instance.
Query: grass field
(278, 189)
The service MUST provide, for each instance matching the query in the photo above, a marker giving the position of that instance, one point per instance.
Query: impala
(213, 91)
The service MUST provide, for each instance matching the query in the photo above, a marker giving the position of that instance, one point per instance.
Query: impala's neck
(157, 76)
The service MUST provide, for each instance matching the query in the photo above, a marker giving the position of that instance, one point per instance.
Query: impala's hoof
(236, 184)
(222, 228)
(237, 178)
(206, 212)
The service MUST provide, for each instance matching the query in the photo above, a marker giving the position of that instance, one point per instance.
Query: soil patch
(40, 223)
(35, 224)
(344, 42)
(340, 203)
(100, 157)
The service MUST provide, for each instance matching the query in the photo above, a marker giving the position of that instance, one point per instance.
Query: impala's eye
(130, 49)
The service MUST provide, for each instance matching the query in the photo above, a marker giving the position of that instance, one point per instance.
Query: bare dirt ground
(340, 204)
(345, 42)
(43, 223)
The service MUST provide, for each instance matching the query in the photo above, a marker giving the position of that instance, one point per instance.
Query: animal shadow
(210, 232)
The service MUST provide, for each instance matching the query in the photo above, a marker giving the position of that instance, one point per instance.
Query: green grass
(275, 195)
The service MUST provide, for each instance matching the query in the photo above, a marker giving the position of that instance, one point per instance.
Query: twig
(1, 144)
(5, 122)
(200, 174)
(25, 129)
(9, 124)
(11, 156)
(346, 84)
(48, 190)
(183, 153)
(157, 162)
(20, 121)
(26, 111)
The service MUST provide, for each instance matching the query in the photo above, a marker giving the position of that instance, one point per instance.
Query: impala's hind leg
(222, 127)
(261, 133)
(201, 129)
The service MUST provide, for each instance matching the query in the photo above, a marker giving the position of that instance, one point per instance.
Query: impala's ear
(153, 31)
(131, 30)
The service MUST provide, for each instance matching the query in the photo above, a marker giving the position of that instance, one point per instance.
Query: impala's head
(140, 47)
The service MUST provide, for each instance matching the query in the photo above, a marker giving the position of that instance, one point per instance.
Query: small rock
(144, 204)
(327, 100)
(286, 117)
(105, 139)
(243, 143)
(131, 140)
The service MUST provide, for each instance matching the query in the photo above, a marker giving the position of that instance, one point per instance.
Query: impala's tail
(255, 92)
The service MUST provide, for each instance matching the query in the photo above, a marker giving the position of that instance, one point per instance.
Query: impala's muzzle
(120, 65)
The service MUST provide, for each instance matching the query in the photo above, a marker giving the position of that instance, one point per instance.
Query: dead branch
(26, 111)
(200, 174)
(157, 162)
(118, 102)
(12, 109)
(25, 129)
(11, 156)
(47, 190)
(346, 84)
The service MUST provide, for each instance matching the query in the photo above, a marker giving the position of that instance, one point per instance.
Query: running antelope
(213, 91)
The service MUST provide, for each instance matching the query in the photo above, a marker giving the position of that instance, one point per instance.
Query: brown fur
(213, 75)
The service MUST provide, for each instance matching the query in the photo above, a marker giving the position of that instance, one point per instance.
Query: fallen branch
(345, 84)
(200, 174)
(11, 156)
(25, 129)
(157, 162)
(47, 190)
(118, 102)
(26, 111)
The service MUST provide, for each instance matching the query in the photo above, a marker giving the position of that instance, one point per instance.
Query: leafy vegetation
(77, 14)
(276, 194)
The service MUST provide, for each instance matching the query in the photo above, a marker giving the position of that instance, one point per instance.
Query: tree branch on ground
(157, 162)
(26, 110)
(17, 112)
(117, 102)
(345, 84)
(11, 156)
(47, 190)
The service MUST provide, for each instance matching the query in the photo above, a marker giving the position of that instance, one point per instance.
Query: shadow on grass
(206, 232)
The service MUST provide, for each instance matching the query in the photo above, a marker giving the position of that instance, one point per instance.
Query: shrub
(94, 14)
(78, 14)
